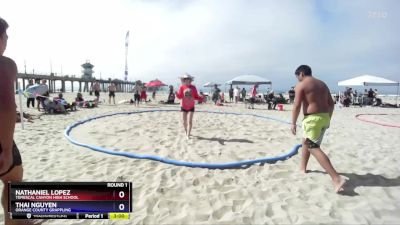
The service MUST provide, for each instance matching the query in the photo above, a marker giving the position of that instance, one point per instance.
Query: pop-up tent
(210, 84)
(369, 80)
(248, 80)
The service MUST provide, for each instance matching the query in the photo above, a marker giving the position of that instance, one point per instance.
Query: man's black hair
(306, 70)
(3, 26)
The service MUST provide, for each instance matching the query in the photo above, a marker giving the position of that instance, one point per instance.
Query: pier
(85, 84)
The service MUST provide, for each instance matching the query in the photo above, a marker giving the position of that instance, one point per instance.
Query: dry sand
(277, 193)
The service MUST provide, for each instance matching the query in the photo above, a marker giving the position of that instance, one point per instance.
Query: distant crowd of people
(253, 96)
(353, 97)
(140, 96)
(58, 104)
(236, 94)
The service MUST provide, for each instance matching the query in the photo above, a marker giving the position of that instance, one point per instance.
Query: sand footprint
(196, 182)
(237, 205)
(220, 212)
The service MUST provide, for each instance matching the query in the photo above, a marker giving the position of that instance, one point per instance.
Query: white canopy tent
(210, 84)
(369, 80)
(248, 80)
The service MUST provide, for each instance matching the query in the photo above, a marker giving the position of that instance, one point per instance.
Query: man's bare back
(316, 96)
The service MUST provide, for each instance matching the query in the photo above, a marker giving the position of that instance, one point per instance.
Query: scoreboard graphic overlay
(70, 200)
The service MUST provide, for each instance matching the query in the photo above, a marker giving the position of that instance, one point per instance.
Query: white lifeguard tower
(87, 73)
(87, 70)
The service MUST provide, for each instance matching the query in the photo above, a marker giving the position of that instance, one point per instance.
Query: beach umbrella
(155, 83)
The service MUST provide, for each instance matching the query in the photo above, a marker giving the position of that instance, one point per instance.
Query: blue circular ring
(239, 164)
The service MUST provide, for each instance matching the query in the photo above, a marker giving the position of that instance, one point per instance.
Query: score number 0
(121, 206)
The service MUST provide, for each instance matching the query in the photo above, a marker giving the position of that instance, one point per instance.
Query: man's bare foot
(338, 184)
(303, 170)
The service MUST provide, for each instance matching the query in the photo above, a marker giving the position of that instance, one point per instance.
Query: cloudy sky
(215, 40)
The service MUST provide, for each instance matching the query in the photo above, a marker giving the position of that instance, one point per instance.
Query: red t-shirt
(187, 102)
(253, 92)
(143, 94)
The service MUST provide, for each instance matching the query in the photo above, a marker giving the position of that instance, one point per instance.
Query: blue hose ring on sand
(239, 164)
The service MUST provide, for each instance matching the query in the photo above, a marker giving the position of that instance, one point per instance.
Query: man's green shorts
(314, 127)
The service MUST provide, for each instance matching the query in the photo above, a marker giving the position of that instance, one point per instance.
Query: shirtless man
(96, 89)
(10, 159)
(317, 108)
(112, 89)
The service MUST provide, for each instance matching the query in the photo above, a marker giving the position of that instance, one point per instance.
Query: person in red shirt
(187, 93)
(253, 95)
(143, 94)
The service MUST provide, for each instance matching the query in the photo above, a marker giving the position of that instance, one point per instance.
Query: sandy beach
(367, 154)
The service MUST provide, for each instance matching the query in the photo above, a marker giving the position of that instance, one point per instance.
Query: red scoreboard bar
(70, 200)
